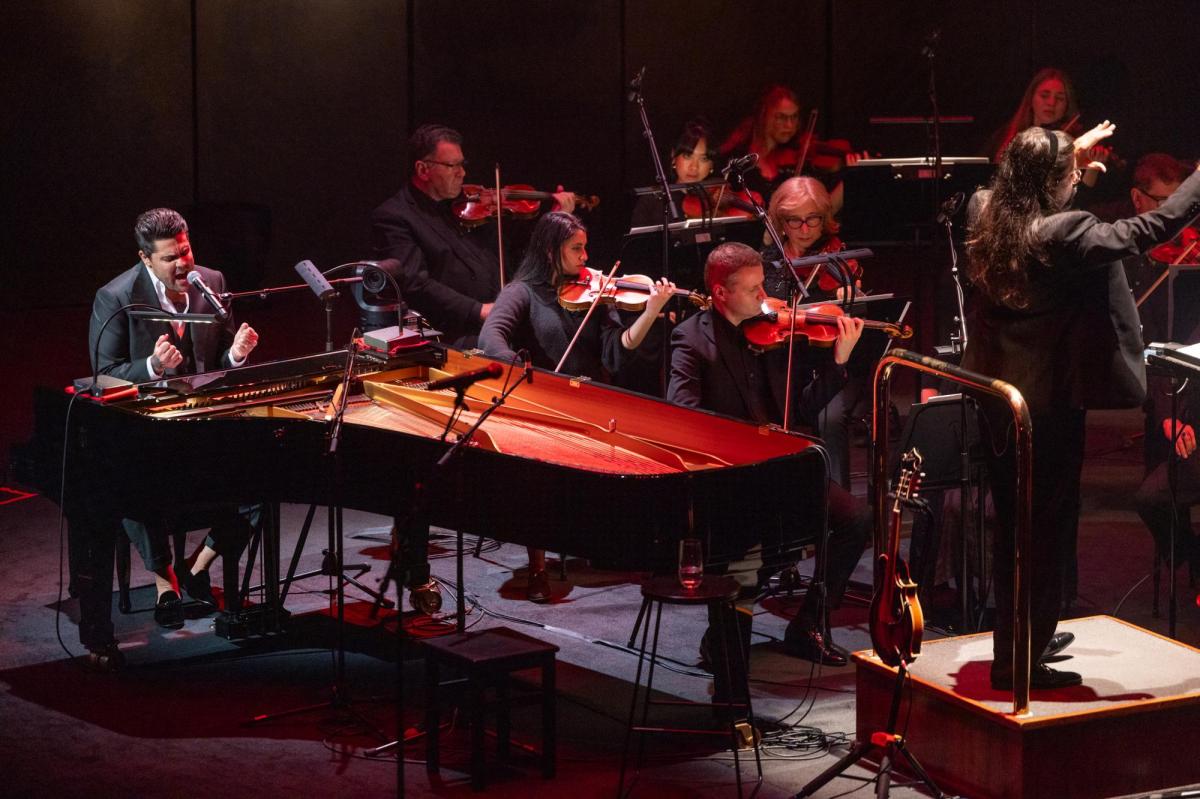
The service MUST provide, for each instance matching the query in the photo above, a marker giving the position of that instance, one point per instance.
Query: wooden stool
(487, 658)
(714, 590)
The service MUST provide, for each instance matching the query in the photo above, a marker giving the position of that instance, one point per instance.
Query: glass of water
(691, 563)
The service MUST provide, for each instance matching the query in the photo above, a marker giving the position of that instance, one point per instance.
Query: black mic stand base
(887, 742)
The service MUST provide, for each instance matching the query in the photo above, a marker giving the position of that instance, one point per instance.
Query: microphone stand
(670, 212)
(334, 556)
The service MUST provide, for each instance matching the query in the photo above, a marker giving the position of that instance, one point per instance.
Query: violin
(1183, 249)
(897, 623)
(816, 323)
(721, 200)
(629, 293)
(826, 280)
(478, 203)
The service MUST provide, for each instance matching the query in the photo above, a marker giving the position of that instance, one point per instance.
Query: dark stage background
(298, 109)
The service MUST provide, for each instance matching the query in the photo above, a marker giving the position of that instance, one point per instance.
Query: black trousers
(850, 523)
(1058, 439)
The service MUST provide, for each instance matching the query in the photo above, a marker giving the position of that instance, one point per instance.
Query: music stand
(691, 240)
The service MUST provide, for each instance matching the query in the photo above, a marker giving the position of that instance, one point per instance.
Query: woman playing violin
(802, 211)
(774, 132)
(528, 316)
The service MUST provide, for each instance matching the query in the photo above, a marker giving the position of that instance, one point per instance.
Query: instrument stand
(339, 699)
(886, 741)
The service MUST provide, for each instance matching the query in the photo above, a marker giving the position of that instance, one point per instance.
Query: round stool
(719, 592)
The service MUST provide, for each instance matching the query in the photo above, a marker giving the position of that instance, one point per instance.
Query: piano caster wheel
(426, 598)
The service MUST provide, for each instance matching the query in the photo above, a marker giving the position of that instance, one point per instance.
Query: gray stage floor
(172, 724)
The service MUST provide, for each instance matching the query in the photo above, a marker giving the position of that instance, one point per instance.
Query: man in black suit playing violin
(447, 273)
(712, 367)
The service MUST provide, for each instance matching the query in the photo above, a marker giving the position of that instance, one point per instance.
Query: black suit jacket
(444, 273)
(127, 342)
(707, 373)
(1079, 343)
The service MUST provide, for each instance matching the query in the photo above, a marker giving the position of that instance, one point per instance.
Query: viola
(1183, 249)
(897, 622)
(478, 203)
(817, 324)
(826, 280)
(721, 200)
(629, 293)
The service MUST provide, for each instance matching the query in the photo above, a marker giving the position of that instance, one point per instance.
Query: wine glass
(691, 563)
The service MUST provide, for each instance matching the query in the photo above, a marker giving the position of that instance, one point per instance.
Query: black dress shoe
(198, 587)
(1058, 642)
(811, 645)
(1042, 677)
(168, 611)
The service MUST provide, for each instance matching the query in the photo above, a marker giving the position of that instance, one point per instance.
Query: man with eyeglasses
(446, 272)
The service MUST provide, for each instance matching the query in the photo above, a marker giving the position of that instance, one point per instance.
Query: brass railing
(1024, 462)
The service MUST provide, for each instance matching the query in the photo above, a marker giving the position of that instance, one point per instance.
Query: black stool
(714, 590)
(486, 658)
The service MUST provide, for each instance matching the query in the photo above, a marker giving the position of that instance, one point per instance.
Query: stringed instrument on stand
(897, 624)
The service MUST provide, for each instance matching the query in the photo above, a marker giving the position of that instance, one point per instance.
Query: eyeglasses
(783, 118)
(1155, 197)
(797, 222)
(452, 167)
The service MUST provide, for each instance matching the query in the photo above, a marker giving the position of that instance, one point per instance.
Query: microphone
(316, 281)
(950, 207)
(194, 278)
(740, 165)
(460, 382)
(635, 85)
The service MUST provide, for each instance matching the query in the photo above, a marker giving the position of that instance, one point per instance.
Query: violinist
(691, 162)
(528, 316)
(1052, 314)
(802, 211)
(1155, 178)
(775, 133)
(447, 273)
(1050, 102)
(713, 368)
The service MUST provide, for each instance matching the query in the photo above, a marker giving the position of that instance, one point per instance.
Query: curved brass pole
(1024, 451)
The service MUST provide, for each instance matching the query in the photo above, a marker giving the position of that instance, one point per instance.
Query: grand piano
(565, 464)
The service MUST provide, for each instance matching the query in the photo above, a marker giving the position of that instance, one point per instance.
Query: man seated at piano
(529, 317)
(143, 351)
(448, 273)
(713, 367)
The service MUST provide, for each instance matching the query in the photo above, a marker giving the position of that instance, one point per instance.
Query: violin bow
(499, 226)
(1166, 271)
(808, 134)
(595, 301)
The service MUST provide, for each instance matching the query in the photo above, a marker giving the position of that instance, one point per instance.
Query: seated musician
(1050, 102)
(713, 367)
(691, 162)
(528, 317)
(802, 212)
(775, 134)
(146, 351)
(448, 273)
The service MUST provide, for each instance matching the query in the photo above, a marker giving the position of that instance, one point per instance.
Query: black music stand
(690, 242)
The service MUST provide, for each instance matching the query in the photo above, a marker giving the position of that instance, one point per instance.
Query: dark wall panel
(534, 86)
(981, 61)
(96, 127)
(302, 107)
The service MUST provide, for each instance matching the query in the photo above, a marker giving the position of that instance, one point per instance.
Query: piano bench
(715, 592)
(486, 659)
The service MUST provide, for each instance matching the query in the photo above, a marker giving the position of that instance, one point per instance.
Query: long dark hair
(543, 258)
(1003, 239)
